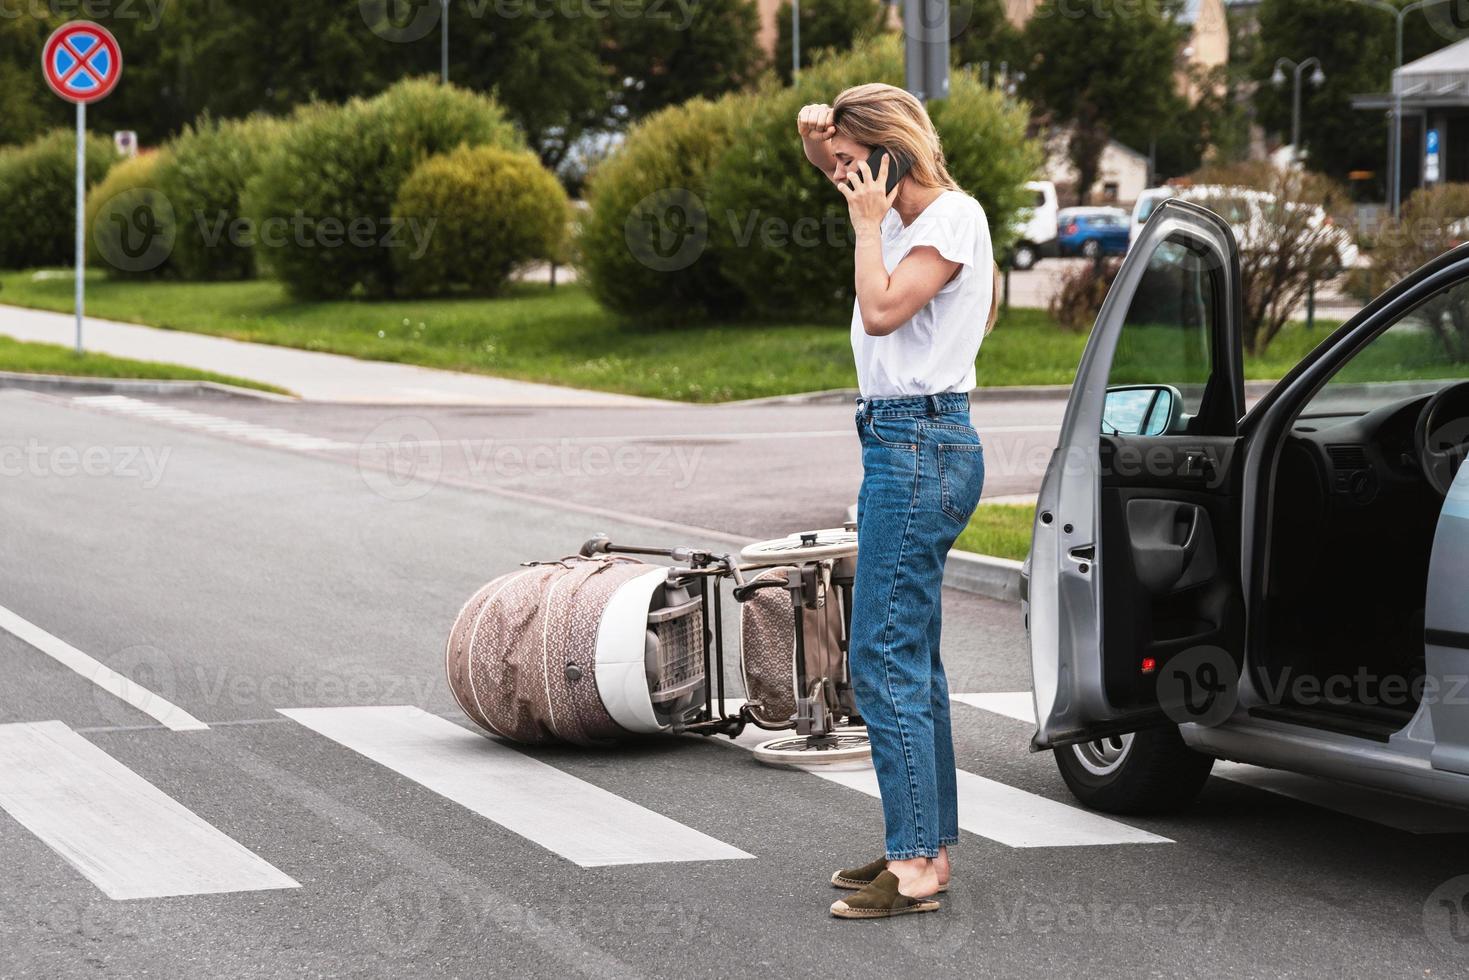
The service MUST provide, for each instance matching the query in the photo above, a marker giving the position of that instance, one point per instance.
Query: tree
(1433, 221)
(1285, 243)
(982, 33)
(27, 107)
(1356, 46)
(668, 53)
(825, 25)
(1108, 76)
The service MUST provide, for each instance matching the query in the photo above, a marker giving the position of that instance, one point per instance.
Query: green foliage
(713, 208)
(780, 230)
(673, 52)
(480, 213)
(1432, 222)
(322, 203)
(27, 106)
(212, 162)
(1075, 305)
(826, 25)
(38, 197)
(130, 229)
(1108, 75)
(641, 246)
(983, 33)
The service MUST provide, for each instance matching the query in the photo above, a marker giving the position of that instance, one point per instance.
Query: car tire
(1024, 257)
(1151, 771)
(1091, 248)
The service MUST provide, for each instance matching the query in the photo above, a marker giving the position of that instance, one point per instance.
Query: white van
(1036, 226)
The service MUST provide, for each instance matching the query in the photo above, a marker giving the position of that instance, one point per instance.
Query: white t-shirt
(934, 351)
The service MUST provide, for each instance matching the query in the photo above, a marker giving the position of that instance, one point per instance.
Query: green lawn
(56, 359)
(562, 336)
(1002, 530)
(541, 334)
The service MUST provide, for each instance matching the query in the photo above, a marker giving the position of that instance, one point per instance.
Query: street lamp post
(1278, 78)
(1395, 152)
(444, 45)
(795, 39)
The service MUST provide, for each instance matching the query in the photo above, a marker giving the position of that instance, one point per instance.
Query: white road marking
(1399, 812)
(1019, 705)
(249, 431)
(166, 713)
(125, 835)
(991, 809)
(583, 823)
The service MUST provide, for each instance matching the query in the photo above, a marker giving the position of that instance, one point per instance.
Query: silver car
(1286, 585)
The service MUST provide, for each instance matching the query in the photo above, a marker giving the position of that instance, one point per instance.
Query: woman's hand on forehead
(816, 122)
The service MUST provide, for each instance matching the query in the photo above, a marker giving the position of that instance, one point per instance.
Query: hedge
(212, 162)
(322, 205)
(38, 197)
(131, 225)
(642, 246)
(774, 234)
(473, 216)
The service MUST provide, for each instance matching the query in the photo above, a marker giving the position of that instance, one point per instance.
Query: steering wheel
(1441, 435)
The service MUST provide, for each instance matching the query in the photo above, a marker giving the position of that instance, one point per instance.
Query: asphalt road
(234, 574)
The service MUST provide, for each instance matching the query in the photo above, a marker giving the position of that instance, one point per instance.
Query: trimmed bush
(773, 237)
(782, 231)
(38, 197)
(473, 216)
(642, 244)
(321, 206)
(131, 226)
(212, 162)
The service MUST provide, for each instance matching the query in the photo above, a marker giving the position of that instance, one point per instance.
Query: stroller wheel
(846, 746)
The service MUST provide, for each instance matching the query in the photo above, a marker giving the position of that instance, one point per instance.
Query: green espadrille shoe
(881, 900)
(863, 876)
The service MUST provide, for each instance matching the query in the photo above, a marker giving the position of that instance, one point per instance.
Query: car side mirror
(1142, 410)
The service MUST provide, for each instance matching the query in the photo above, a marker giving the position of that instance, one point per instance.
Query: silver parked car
(1286, 586)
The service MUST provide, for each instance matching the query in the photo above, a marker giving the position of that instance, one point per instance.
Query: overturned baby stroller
(604, 645)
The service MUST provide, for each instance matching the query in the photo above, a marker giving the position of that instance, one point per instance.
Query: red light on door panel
(1149, 665)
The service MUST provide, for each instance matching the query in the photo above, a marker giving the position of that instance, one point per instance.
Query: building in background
(1435, 94)
(1122, 172)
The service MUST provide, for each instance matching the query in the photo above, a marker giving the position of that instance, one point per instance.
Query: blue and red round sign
(82, 61)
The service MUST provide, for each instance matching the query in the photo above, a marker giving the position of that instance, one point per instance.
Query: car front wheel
(1091, 248)
(1150, 771)
(1024, 257)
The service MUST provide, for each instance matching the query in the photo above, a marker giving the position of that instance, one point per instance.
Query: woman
(925, 292)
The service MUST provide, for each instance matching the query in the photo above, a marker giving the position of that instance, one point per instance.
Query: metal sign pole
(81, 256)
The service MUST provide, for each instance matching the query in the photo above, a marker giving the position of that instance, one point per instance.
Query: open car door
(1446, 628)
(1132, 587)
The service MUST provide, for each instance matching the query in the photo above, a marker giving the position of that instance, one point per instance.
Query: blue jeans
(923, 468)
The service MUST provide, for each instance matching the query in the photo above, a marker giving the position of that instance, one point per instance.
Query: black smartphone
(896, 169)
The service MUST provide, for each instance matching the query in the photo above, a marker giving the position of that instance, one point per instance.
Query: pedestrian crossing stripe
(992, 809)
(1363, 802)
(118, 830)
(581, 822)
(262, 434)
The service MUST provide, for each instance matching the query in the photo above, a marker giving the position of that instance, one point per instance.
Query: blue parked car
(1092, 231)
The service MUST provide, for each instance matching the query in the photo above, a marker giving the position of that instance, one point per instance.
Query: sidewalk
(312, 375)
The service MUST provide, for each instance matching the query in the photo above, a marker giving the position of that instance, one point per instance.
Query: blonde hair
(877, 114)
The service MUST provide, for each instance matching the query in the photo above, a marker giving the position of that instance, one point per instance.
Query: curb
(133, 386)
(986, 575)
(832, 396)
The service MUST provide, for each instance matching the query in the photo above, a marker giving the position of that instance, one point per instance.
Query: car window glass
(1168, 330)
(1422, 351)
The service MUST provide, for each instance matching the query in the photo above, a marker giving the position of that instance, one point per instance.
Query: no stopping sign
(82, 61)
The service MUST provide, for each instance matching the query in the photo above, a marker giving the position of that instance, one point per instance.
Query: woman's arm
(889, 301)
(814, 123)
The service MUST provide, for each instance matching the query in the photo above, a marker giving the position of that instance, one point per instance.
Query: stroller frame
(821, 702)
